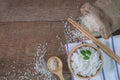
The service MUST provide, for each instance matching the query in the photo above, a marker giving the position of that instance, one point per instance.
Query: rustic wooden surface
(21, 33)
(18, 42)
(24, 24)
(39, 10)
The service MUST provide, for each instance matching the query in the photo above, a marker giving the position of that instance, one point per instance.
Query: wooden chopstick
(95, 40)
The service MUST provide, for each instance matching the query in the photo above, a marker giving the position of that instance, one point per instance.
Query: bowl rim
(72, 52)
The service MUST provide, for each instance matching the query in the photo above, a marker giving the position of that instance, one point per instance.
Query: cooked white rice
(85, 67)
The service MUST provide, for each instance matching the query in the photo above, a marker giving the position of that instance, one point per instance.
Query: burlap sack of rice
(96, 21)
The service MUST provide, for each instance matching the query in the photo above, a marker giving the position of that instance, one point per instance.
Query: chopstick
(95, 40)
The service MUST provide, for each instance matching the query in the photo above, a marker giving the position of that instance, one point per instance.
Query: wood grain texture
(39, 10)
(18, 42)
(24, 24)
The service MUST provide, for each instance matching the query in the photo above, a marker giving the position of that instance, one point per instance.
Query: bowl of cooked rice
(85, 61)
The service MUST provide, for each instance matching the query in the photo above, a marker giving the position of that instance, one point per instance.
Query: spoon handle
(61, 76)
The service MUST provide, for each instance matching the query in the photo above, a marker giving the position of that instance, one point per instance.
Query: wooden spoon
(58, 70)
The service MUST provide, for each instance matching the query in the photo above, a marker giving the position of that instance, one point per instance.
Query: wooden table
(25, 24)
(19, 40)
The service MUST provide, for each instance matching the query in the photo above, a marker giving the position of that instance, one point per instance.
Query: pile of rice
(85, 67)
(53, 64)
(92, 23)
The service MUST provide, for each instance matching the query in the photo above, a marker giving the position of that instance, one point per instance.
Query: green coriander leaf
(88, 52)
(83, 52)
(86, 58)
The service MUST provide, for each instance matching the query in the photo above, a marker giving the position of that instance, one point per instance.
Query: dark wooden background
(24, 24)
